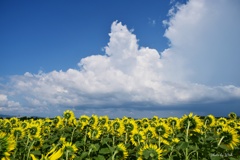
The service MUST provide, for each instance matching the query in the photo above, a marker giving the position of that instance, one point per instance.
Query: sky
(120, 58)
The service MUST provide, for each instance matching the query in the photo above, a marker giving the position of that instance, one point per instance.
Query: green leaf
(210, 138)
(106, 140)
(95, 147)
(224, 147)
(38, 153)
(83, 155)
(195, 148)
(183, 145)
(45, 146)
(104, 151)
(216, 158)
(170, 158)
(100, 157)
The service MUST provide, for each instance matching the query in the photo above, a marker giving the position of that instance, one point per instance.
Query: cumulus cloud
(204, 37)
(127, 73)
(187, 72)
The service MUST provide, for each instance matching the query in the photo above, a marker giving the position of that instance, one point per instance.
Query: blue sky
(56, 35)
(133, 58)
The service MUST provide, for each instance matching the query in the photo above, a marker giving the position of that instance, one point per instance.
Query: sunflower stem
(26, 144)
(67, 155)
(173, 128)
(192, 152)
(138, 140)
(73, 133)
(113, 143)
(220, 141)
(126, 135)
(115, 152)
(85, 139)
(15, 149)
(186, 140)
(89, 152)
(29, 149)
(159, 141)
(170, 153)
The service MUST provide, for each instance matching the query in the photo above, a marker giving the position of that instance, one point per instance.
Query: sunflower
(7, 124)
(130, 126)
(81, 125)
(125, 119)
(153, 123)
(138, 122)
(14, 121)
(56, 120)
(238, 130)
(218, 128)
(117, 127)
(209, 121)
(93, 121)
(38, 122)
(105, 128)
(34, 131)
(7, 145)
(1, 123)
(18, 132)
(232, 116)
(162, 130)
(68, 114)
(155, 118)
(193, 123)
(173, 122)
(47, 122)
(137, 138)
(56, 155)
(71, 149)
(175, 140)
(149, 133)
(144, 120)
(162, 120)
(38, 142)
(145, 124)
(228, 137)
(94, 133)
(222, 121)
(46, 130)
(51, 155)
(84, 118)
(103, 120)
(150, 152)
(232, 124)
(121, 152)
(72, 122)
(62, 140)
(24, 124)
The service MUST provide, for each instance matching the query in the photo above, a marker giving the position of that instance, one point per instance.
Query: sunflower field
(99, 138)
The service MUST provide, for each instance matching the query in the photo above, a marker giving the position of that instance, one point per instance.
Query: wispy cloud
(152, 22)
(130, 74)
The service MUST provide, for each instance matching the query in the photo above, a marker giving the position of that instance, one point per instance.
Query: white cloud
(3, 98)
(6, 104)
(130, 74)
(125, 74)
(204, 36)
